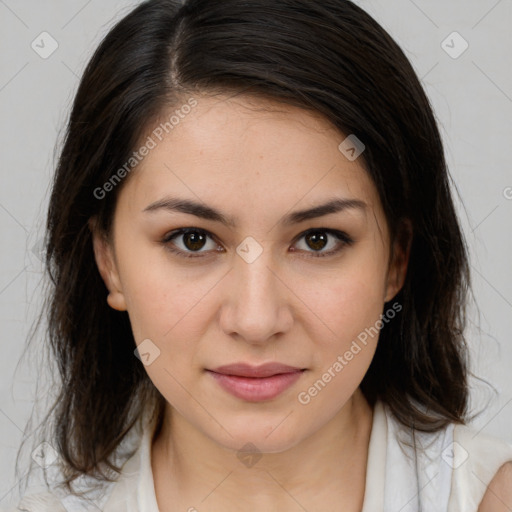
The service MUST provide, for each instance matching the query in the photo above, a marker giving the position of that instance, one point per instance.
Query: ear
(105, 260)
(397, 268)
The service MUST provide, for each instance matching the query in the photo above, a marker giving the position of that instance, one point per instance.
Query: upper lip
(247, 370)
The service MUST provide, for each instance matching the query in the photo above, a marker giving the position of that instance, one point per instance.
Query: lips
(264, 370)
(256, 383)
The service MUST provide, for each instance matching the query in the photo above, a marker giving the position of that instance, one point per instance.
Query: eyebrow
(204, 211)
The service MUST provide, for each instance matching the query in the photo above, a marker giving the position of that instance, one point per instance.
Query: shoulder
(482, 471)
(49, 502)
(39, 502)
(92, 495)
(498, 496)
(52, 500)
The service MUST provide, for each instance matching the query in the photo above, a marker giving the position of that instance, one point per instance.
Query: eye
(318, 239)
(193, 240)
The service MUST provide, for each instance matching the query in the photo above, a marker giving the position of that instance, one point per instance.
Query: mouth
(256, 383)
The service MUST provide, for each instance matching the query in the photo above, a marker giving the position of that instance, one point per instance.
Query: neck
(328, 466)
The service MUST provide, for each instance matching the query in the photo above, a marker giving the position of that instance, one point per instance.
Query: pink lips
(256, 383)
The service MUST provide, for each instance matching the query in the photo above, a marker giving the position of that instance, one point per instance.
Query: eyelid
(183, 231)
(343, 238)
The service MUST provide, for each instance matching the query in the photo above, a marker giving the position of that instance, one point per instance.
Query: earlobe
(105, 261)
(116, 301)
(400, 260)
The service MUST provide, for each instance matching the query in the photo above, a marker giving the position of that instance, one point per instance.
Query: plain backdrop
(470, 90)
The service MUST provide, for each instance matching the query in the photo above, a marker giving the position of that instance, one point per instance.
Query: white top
(455, 466)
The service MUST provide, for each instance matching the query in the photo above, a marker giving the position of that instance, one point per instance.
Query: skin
(287, 305)
(498, 497)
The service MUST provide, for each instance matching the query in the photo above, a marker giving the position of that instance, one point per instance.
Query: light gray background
(472, 98)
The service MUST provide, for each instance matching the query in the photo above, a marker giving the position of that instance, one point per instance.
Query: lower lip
(257, 389)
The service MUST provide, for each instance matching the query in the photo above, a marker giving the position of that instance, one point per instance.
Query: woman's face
(256, 288)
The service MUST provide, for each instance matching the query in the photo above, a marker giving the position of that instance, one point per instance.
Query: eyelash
(339, 235)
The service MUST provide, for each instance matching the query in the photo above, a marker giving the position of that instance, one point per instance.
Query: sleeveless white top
(451, 472)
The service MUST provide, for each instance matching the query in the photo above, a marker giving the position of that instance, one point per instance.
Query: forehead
(247, 151)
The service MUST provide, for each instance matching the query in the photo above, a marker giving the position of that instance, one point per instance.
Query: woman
(254, 194)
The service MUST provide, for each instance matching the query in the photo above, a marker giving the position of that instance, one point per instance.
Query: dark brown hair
(327, 56)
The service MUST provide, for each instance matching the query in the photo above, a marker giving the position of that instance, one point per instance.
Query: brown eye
(194, 240)
(190, 242)
(317, 240)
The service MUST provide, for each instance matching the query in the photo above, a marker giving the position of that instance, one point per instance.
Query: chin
(270, 436)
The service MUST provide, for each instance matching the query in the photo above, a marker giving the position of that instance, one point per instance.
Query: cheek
(164, 307)
(350, 300)
(158, 295)
(171, 305)
(346, 339)
(351, 314)
(347, 313)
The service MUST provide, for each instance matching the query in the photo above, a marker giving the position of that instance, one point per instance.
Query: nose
(256, 305)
